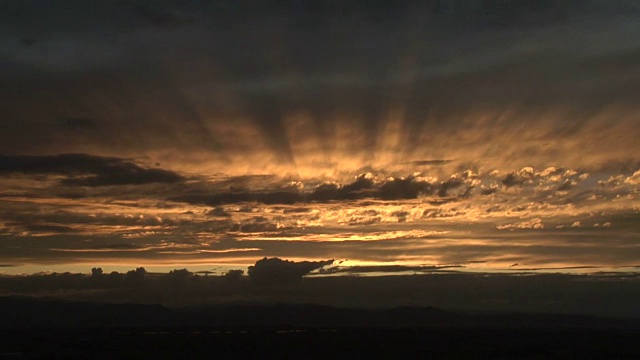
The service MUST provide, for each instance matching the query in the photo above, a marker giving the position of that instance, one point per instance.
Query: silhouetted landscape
(48, 328)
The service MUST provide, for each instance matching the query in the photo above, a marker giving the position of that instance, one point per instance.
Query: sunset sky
(475, 136)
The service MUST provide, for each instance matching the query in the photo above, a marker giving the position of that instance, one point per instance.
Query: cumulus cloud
(518, 177)
(605, 225)
(453, 183)
(276, 270)
(405, 188)
(458, 186)
(567, 185)
(527, 224)
(86, 170)
(365, 186)
(633, 179)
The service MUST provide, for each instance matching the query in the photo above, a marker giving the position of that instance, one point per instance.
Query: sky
(475, 136)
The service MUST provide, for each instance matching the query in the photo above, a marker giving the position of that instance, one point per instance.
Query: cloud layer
(479, 134)
(535, 218)
(328, 91)
(86, 170)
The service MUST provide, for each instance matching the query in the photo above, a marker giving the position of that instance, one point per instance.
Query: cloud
(277, 271)
(453, 183)
(175, 85)
(109, 248)
(222, 198)
(162, 18)
(325, 192)
(633, 179)
(49, 228)
(567, 185)
(404, 188)
(518, 177)
(76, 124)
(218, 212)
(296, 210)
(364, 186)
(86, 170)
(527, 224)
(191, 106)
(605, 225)
(387, 269)
(552, 185)
(256, 224)
(429, 162)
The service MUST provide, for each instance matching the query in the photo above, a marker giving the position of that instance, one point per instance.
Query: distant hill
(42, 313)
(54, 329)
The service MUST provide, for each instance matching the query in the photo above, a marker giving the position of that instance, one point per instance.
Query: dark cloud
(362, 182)
(408, 188)
(362, 188)
(28, 42)
(118, 247)
(451, 184)
(218, 212)
(76, 123)
(387, 269)
(234, 275)
(86, 170)
(48, 228)
(458, 186)
(296, 210)
(488, 190)
(162, 17)
(519, 268)
(518, 177)
(256, 224)
(512, 180)
(325, 192)
(276, 271)
(66, 220)
(429, 162)
(567, 185)
(265, 197)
